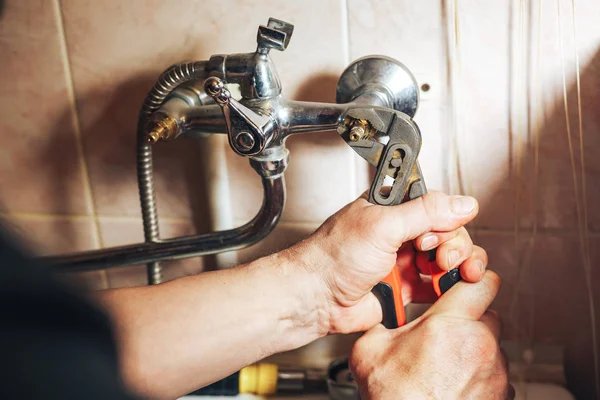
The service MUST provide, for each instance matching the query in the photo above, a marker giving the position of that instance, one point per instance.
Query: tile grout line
(76, 121)
(41, 216)
(81, 217)
(354, 165)
(346, 31)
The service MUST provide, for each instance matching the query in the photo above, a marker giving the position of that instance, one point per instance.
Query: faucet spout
(188, 246)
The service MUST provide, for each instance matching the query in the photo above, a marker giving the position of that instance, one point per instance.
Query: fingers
(452, 253)
(468, 300)
(473, 268)
(433, 212)
(492, 321)
(455, 249)
(431, 240)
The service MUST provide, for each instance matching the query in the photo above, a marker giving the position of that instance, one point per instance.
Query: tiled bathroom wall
(74, 73)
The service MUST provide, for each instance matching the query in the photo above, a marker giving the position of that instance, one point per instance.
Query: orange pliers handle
(389, 291)
(399, 161)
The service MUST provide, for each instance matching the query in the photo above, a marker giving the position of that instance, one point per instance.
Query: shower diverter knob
(276, 35)
(248, 132)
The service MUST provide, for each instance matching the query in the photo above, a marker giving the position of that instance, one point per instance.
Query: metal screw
(213, 86)
(396, 160)
(356, 133)
(245, 141)
(216, 89)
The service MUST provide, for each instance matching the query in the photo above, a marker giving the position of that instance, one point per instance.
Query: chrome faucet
(376, 98)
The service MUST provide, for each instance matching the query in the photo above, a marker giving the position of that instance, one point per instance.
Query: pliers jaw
(391, 141)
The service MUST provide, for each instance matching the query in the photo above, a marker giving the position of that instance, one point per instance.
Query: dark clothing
(53, 343)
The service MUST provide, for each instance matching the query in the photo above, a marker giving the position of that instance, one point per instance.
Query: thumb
(434, 211)
(467, 300)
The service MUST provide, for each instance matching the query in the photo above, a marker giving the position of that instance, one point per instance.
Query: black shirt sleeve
(53, 343)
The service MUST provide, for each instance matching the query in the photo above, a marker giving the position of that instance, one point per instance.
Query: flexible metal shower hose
(167, 82)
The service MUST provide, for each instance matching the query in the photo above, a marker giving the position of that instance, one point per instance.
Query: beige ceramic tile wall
(74, 73)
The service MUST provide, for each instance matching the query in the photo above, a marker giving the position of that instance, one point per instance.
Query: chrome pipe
(202, 120)
(304, 116)
(292, 117)
(183, 247)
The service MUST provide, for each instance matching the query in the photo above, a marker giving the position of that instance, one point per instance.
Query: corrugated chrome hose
(167, 82)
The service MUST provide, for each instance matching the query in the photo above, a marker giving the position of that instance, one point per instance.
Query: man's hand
(451, 352)
(359, 245)
(285, 300)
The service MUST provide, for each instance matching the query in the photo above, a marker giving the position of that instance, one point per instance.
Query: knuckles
(434, 329)
(493, 277)
(473, 342)
(465, 352)
(480, 346)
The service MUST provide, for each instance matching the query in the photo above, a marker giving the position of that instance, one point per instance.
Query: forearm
(178, 336)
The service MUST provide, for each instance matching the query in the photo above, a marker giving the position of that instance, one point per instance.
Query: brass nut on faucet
(359, 129)
(356, 133)
(163, 129)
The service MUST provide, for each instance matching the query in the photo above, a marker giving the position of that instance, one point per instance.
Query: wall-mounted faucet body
(192, 99)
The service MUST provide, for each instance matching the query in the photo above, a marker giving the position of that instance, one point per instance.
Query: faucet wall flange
(381, 76)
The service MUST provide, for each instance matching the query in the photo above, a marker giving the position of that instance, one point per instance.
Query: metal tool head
(391, 141)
